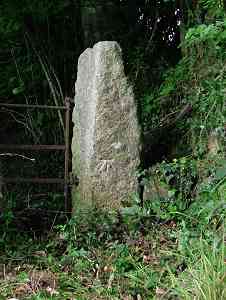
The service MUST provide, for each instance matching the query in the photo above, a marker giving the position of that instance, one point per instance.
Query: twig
(55, 93)
(152, 32)
(18, 121)
(17, 155)
(4, 272)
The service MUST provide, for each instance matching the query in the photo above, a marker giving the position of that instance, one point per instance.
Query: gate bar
(65, 147)
(33, 106)
(33, 180)
(31, 147)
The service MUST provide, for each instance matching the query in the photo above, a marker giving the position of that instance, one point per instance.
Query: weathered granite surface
(106, 136)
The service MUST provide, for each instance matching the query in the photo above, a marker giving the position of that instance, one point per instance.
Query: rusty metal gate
(64, 182)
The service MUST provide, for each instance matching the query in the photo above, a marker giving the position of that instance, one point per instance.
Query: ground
(108, 260)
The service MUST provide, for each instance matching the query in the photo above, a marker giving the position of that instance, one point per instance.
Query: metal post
(67, 154)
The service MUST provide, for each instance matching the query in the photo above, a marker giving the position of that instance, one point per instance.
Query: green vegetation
(205, 277)
(116, 257)
(173, 245)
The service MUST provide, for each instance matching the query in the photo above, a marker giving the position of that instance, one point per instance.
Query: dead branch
(17, 155)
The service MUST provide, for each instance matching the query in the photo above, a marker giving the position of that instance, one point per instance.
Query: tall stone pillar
(106, 136)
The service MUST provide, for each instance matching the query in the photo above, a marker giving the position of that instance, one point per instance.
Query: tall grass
(205, 276)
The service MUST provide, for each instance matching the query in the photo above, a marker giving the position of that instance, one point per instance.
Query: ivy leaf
(18, 90)
(221, 172)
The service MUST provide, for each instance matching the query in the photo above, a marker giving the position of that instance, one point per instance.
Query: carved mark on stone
(104, 166)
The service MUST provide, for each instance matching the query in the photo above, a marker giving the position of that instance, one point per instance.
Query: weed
(204, 277)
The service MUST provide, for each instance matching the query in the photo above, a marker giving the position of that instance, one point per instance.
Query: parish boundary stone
(106, 135)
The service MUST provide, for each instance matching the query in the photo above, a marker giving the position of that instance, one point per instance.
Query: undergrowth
(124, 255)
(199, 80)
